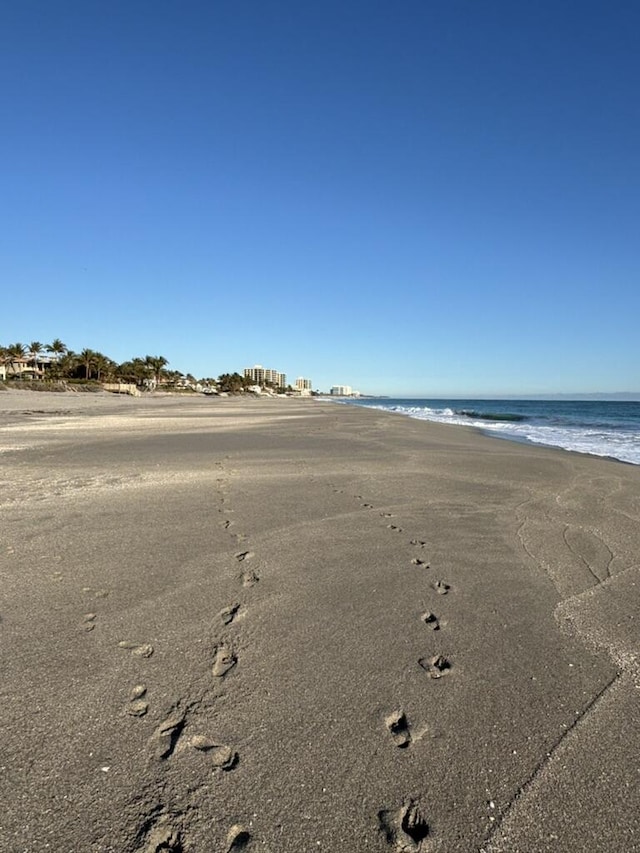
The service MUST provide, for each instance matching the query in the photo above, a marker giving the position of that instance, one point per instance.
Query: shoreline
(97, 400)
(312, 626)
(535, 420)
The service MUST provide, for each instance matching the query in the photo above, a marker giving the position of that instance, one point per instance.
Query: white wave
(618, 444)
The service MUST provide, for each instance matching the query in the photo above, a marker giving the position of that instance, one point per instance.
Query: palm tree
(104, 366)
(173, 376)
(87, 359)
(16, 353)
(68, 363)
(230, 382)
(156, 363)
(132, 371)
(57, 348)
(5, 359)
(35, 347)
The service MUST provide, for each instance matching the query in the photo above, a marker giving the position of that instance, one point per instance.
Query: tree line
(63, 364)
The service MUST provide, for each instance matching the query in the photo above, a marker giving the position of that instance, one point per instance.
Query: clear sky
(409, 196)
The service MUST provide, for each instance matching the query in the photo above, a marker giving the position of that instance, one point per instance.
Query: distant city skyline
(415, 199)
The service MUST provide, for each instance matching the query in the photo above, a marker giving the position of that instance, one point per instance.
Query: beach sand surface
(289, 625)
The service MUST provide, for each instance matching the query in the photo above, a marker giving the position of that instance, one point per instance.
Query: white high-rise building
(341, 391)
(303, 384)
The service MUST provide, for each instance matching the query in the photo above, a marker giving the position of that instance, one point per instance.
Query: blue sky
(416, 197)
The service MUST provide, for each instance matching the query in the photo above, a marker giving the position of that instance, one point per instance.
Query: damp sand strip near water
(286, 625)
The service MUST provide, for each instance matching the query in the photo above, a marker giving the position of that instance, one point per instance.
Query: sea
(598, 427)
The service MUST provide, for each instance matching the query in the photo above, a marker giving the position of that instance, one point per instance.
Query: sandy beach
(288, 625)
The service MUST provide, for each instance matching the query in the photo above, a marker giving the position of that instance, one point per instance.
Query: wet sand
(288, 625)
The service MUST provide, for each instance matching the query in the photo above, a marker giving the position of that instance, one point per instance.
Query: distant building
(273, 377)
(341, 391)
(26, 367)
(303, 384)
(255, 374)
(262, 376)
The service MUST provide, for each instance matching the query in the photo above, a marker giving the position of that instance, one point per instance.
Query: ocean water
(598, 427)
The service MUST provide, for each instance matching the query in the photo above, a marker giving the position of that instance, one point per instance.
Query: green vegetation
(60, 364)
(54, 367)
(232, 382)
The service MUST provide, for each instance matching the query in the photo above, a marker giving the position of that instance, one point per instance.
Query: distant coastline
(618, 396)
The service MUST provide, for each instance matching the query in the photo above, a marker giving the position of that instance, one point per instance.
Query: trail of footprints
(178, 734)
(406, 828)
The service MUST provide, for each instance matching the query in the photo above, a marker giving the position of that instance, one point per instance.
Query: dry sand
(290, 626)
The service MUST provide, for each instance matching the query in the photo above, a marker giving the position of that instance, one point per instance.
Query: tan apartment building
(261, 376)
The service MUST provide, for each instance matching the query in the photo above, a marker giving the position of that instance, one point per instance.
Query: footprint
(238, 838)
(88, 621)
(395, 528)
(140, 650)
(418, 562)
(431, 620)
(163, 837)
(436, 666)
(95, 593)
(244, 555)
(405, 828)
(165, 737)
(221, 755)
(228, 614)
(386, 514)
(137, 706)
(223, 660)
(441, 587)
(249, 578)
(399, 729)
(101, 593)
(419, 543)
